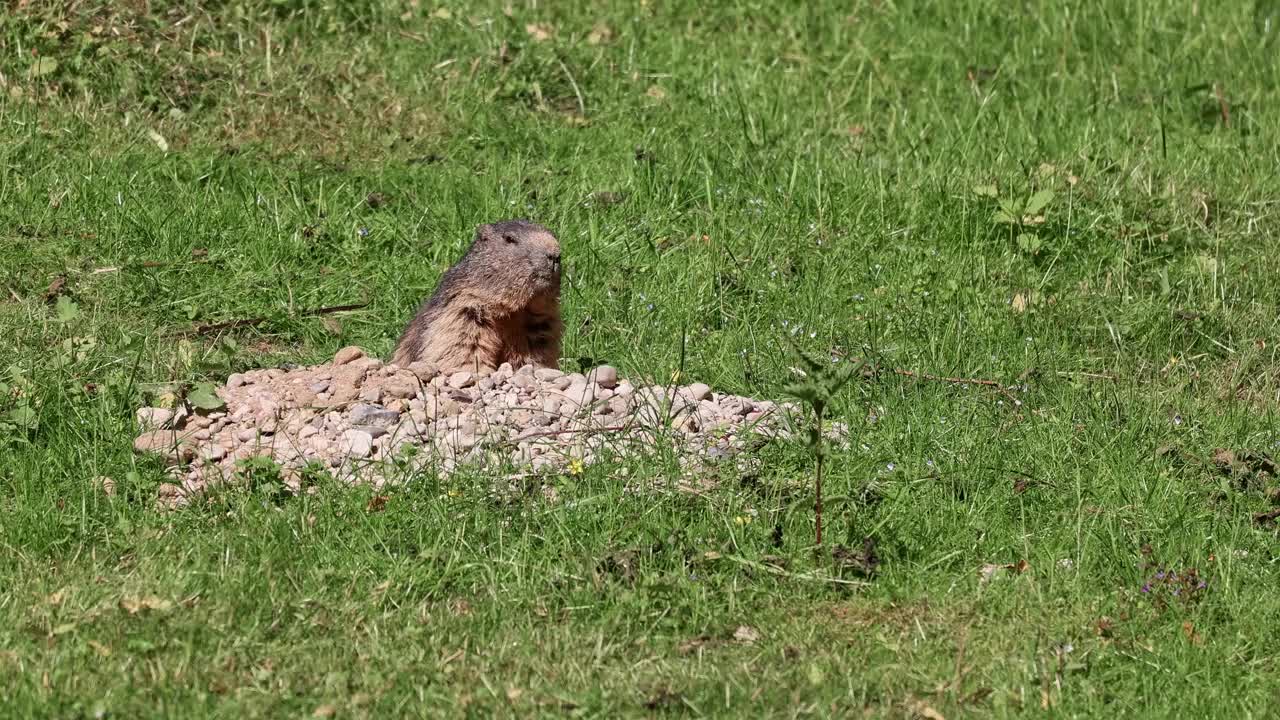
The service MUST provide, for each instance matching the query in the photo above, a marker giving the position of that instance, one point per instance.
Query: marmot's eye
(510, 238)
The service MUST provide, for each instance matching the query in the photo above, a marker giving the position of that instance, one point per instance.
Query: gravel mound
(361, 420)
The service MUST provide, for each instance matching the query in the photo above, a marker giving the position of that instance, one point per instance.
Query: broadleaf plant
(1022, 216)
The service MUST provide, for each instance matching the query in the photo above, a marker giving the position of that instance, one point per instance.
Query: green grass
(783, 164)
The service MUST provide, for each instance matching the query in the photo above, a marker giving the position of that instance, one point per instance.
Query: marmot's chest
(523, 330)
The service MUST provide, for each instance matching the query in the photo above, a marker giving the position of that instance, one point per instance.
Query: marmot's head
(518, 251)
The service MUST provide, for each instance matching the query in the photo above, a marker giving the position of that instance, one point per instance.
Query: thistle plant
(822, 380)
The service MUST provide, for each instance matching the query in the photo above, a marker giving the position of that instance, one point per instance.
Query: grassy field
(1079, 203)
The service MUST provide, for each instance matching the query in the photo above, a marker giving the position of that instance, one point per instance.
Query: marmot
(499, 303)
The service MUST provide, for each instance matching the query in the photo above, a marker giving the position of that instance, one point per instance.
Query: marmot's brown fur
(499, 303)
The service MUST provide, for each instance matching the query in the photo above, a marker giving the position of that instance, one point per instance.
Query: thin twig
(956, 380)
(147, 265)
(1084, 373)
(870, 371)
(997, 385)
(808, 577)
(250, 322)
(817, 487)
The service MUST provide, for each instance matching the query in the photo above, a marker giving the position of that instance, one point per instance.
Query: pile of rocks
(365, 421)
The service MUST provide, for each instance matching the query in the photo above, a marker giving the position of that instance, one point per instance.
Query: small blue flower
(363, 232)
